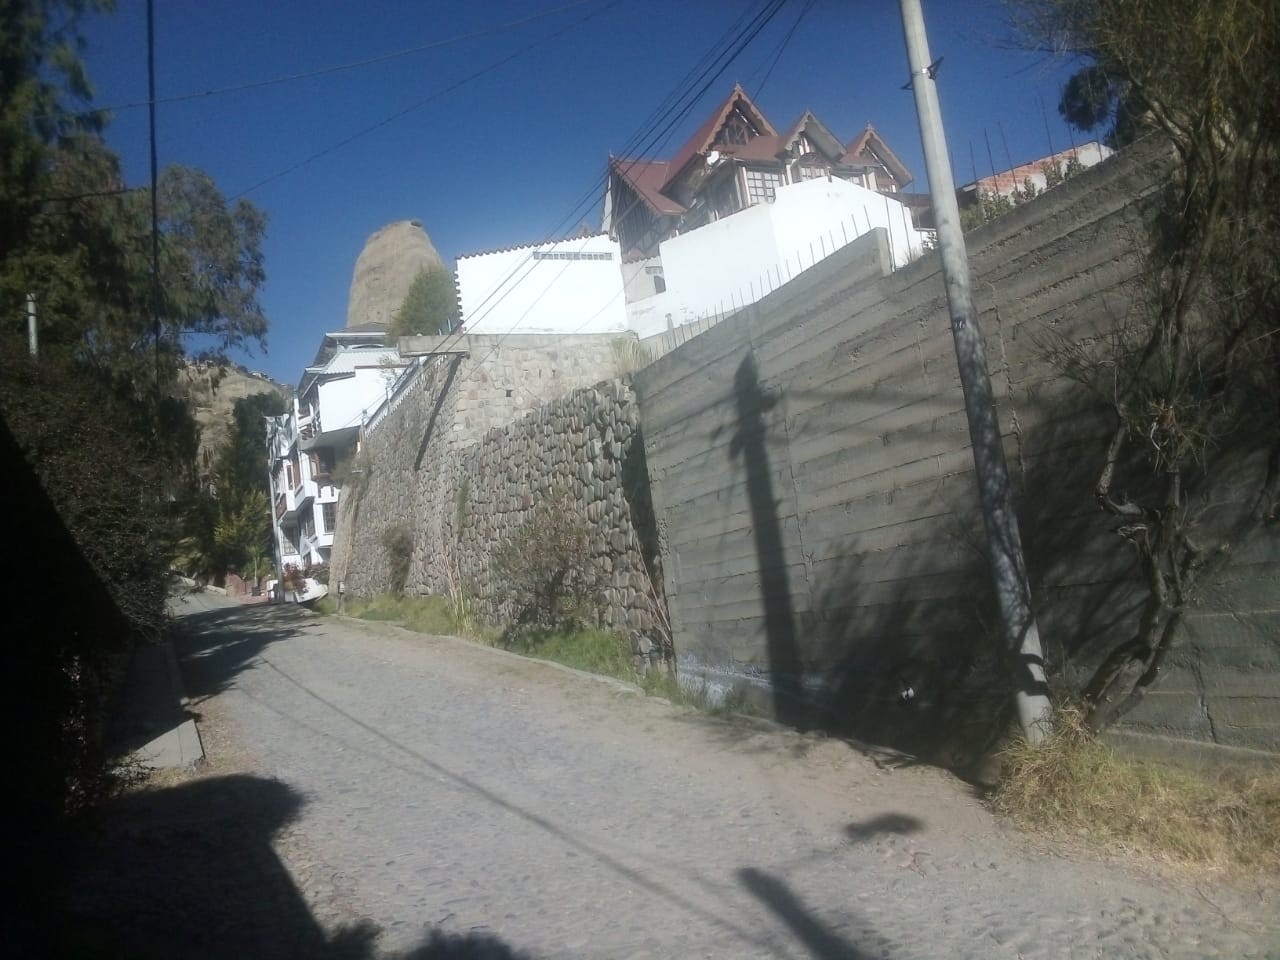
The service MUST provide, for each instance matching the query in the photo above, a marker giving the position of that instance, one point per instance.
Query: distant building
(741, 208)
(350, 376)
(738, 211)
(735, 160)
(1037, 173)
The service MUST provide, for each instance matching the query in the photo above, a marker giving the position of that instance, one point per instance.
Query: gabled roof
(646, 178)
(818, 132)
(869, 143)
(705, 136)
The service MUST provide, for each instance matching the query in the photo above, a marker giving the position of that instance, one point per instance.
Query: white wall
(344, 401)
(718, 267)
(509, 291)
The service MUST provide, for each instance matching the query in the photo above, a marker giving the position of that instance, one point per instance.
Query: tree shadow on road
(899, 823)
(215, 645)
(190, 871)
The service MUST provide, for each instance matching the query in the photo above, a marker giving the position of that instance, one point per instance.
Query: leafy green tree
(243, 534)
(430, 307)
(43, 95)
(87, 263)
(241, 466)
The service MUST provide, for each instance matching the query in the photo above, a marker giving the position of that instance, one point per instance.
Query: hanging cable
(341, 67)
(292, 168)
(656, 131)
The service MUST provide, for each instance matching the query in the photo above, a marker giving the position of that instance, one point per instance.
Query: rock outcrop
(212, 392)
(391, 258)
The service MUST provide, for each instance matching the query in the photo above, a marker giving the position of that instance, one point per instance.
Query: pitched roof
(817, 131)
(705, 135)
(646, 178)
(870, 142)
(764, 147)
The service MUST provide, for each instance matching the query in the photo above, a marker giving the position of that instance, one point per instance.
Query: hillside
(212, 392)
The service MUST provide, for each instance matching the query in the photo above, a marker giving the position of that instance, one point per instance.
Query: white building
(568, 286)
(352, 374)
(1036, 173)
(736, 260)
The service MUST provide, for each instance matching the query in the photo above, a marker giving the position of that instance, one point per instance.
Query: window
(329, 516)
(659, 285)
(761, 185)
(570, 255)
(737, 129)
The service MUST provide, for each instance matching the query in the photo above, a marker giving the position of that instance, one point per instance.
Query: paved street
(440, 797)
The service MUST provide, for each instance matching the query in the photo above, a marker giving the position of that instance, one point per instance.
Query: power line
(319, 154)
(341, 67)
(641, 140)
(744, 40)
(711, 73)
(783, 46)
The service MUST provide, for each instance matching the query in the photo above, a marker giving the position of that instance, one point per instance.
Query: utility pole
(155, 200)
(33, 342)
(1008, 568)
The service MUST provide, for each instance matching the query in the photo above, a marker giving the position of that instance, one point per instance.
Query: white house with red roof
(741, 208)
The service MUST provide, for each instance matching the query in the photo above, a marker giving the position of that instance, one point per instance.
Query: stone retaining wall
(461, 500)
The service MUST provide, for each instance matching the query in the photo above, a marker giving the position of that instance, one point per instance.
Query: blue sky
(506, 157)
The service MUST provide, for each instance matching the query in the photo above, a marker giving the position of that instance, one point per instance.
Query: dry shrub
(545, 572)
(1075, 786)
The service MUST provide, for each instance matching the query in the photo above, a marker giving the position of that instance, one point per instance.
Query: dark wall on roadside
(813, 482)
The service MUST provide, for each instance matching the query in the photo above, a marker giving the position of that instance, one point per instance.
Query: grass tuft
(421, 614)
(596, 651)
(1076, 787)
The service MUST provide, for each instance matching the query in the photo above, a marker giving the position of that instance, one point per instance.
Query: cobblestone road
(465, 802)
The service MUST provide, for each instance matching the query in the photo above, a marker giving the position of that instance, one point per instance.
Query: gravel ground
(373, 792)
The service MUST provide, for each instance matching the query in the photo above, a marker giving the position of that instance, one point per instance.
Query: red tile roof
(647, 178)
(764, 147)
(869, 142)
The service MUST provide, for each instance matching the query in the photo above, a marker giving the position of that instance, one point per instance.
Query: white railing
(395, 393)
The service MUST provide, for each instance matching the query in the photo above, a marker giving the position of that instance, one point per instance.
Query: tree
(43, 93)
(429, 308)
(87, 262)
(1194, 381)
(241, 466)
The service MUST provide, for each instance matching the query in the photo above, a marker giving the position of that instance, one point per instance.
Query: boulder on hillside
(391, 258)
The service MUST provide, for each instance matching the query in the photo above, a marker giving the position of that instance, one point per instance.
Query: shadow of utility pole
(823, 944)
(750, 444)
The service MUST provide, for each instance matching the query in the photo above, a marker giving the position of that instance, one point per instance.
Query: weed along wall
(460, 493)
(813, 483)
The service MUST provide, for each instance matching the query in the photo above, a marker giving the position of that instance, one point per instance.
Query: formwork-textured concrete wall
(462, 492)
(813, 482)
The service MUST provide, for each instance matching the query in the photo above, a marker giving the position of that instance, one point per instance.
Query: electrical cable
(341, 67)
(421, 103)
(633, 145)
(709, 75)
(747, 37)
(783, 46)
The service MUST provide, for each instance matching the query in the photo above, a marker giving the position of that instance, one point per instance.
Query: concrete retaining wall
(812, 479)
